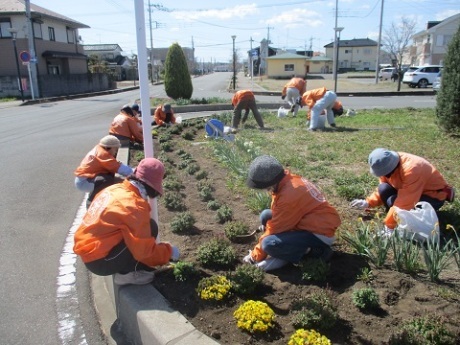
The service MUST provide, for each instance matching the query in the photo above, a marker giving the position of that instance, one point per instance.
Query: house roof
(355, 42)
(101, 47)
(455, 17)
(286, 56)
(17, 7)
(57, 54)
(319, 58)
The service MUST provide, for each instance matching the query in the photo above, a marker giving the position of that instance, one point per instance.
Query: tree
(178, 82)
(396, 41)
(447, 100)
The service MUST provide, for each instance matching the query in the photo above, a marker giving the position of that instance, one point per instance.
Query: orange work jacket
(127, 126)
(299, 83)
(96, 162)
(310, 97)
(160, 116)
(242, 95)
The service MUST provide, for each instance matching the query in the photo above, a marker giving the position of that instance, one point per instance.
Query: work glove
(261, 228)
(283, 97)
(386, 232)
(248, 259)
(359, 204)
(175, 253)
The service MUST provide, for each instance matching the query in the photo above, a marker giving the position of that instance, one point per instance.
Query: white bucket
(282, 112)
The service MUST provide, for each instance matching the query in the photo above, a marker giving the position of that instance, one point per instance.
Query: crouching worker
(319, 100)
(164, 116)
(97, 170)
(125, 126)
(300, 222)
(117, 235)
(404, 180)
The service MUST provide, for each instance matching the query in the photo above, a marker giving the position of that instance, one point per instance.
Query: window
(52, 69)
(367, 51)
(347, 51)
(37, 30)
(5, 24)
(70, 35)
(443, 40)
(51, 34)
(289, 68)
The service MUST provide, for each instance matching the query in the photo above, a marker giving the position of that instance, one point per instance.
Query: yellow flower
(308, 337)
(254, 316)
(214, 288)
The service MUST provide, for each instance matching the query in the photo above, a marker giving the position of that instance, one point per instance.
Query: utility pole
(152, 67)
(334, 59)
(377, 63)
(252, 65)
(33, 59)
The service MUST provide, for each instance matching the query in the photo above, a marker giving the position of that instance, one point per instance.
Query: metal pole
(234, 64)
(378, 46)
(337, 32)
(334, 61)
(33, 59)
(13, 38)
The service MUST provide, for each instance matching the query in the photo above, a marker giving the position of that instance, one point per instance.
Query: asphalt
(140, 314)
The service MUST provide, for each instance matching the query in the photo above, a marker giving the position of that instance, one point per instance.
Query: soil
(402, 297)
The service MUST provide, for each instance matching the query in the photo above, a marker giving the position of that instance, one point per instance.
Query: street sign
(254, 53)
(24, 56)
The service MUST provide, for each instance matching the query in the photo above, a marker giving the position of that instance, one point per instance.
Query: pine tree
(177, 81)
(448, 98)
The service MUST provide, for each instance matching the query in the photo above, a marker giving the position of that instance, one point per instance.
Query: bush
(184, 270)
(173, 201)
(224, 214)
(213, 205)
(254, 317)
(182, 222)
(217, 253)
(317, 311)
(313, 269)
(192, 168)
(177, 81)
(234, 229)
(200, 175)
(246, 279)
(366, 299)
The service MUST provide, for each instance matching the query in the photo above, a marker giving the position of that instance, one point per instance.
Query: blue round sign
(24, 56)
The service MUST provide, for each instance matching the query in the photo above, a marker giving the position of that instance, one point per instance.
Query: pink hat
(151, 172)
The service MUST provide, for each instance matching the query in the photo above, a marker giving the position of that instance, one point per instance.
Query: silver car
(437, 82)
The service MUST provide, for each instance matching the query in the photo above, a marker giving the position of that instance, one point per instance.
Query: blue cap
(383, 161)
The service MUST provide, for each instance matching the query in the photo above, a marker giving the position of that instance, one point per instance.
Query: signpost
(26, 60)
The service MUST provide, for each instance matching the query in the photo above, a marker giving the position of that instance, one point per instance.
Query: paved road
(40, 147)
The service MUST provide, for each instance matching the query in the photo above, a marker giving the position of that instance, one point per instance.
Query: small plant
(254, 317)
(201, 175)
(188, 135)
(192, 168)
(182, 222)
(224, 214)
(308, 337)
(138, 156)
(315, 311)
(259, 201)
(206, 193)
(406, 253)
(172, 184)
(378, 252)
(213, 205)
(366, 275)
(184, 270)
(177, 129)
(246, 279)
(164, 138)
(437, 257)
(361, 238)
(214, 288)
(366, 299)
(217, 253)
(173, 201)
(425, 330)
(234, 229)
(313, 269)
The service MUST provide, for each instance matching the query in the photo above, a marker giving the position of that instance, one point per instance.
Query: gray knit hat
(110, 141)
(264, 171)
(383, 161)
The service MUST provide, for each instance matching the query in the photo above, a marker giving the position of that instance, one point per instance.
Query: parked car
(421, 76)
(437, 82)
(387, 73)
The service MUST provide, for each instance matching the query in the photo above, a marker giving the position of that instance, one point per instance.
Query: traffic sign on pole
(24, 56)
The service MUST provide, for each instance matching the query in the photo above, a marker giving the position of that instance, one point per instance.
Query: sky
(208, 26)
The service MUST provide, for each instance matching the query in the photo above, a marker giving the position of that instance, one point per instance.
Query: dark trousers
(388, 195)
(120, 259)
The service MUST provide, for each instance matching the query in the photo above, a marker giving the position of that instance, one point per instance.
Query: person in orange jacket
(164, 116)
(337, 109)
(125, 126)
(117, 235)
(404, 180)
(293, 89)
(97, 169)
(318, 100)
(299, 222)
(244, 99)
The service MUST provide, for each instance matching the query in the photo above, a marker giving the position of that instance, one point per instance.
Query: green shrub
(318, 311)
(200, 175)
(246, 279)
(366, 299)
(360, 239)
(188, 135)
(192, 168)
(166, 146)
(234, 229)
(177, 80)
(224, 214)
(182, 222)
(217, 253)
(313, 269)
(425, 330)
(172, 184)
(184, 270)
(259, 201)
(213, 205)
(173, 201)
(162, 138)
(366, 275)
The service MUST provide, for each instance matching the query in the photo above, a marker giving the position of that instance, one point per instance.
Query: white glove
(175, 253)
(261, 228)
(386, 231)
(360, 204)
(248, 259)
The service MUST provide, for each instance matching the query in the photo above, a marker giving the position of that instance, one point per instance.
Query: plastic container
(179, 120)
(282, 112)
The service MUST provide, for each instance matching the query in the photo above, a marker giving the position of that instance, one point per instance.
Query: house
(430, 45)
(286, 65)
(121, 66)
(358, 54)
(60, 67)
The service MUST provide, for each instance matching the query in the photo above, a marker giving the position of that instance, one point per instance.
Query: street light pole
(13, 33)
(337, 38)
(234, 64)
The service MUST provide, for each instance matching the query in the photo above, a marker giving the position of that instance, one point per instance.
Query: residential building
(286, 65)
(430, 45)
(358, 54)
(61, 65)
(122, 67)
